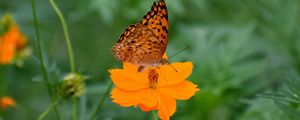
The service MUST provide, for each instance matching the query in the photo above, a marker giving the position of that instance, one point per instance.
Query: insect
(144, 43)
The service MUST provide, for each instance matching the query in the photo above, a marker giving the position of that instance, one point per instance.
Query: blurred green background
(239, 48)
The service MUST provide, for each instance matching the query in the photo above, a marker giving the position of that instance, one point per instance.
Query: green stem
(48, 110)
(41, 57)
(39, 49)
(2, 80)
(93, 115)
(154, 115)
(74, 105)
(83, 107)
(66, 32)
(70, 49)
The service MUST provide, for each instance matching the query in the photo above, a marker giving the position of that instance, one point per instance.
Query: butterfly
(145, 43)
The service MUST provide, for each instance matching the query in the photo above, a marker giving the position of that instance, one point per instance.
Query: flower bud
(6, 101)
(72, 85)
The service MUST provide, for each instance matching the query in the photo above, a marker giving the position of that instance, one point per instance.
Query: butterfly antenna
(180, 51)
(173, 67)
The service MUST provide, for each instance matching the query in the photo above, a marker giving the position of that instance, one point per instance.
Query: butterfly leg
(141, 68)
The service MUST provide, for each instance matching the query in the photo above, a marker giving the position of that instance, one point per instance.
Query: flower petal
(6, 101)
(130, 67)
(165, 56)
(182, 91)
(147, 97)
(147, 109)
(134, 69)
(166, 107)
(127, 80)
(174, 73)
(127, 98)
(150, 98)
(7, 51)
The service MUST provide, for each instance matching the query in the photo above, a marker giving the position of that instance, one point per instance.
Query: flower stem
(41, 57)
(74, 105)
(101, 101)
(70, 50)
(46, 112)
(39, 49)
(83, 101)
(66, 32)
(3, 80)
(154, 115)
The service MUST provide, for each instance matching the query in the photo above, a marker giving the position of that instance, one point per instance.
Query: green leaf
(278, 97)
(288, 109)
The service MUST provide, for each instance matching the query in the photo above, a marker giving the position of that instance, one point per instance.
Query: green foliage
(5, 22)
(262, 109)
(239, 48)
(288, 97)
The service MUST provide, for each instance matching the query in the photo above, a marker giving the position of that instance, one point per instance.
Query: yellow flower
(11, 41)
(154, 88)
(6, 102)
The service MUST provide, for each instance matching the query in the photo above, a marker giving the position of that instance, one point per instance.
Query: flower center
(153, 77)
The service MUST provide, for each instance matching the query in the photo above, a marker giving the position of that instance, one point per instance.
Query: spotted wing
(138, 45)
(157, 21)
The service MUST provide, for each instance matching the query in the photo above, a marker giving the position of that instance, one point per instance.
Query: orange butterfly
(144, 43)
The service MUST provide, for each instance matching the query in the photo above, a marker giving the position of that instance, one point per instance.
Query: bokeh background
(240, 48)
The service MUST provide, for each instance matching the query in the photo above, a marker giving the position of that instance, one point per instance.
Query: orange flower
(153, 89)
(6, 102)
(11, 41)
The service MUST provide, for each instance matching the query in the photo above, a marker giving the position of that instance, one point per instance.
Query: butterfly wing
(146, 42)
(138, 45)
(157, 20)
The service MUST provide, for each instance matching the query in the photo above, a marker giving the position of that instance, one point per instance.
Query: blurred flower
(73, 85)
(12, 41)
(6, 102)
(154, 88)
